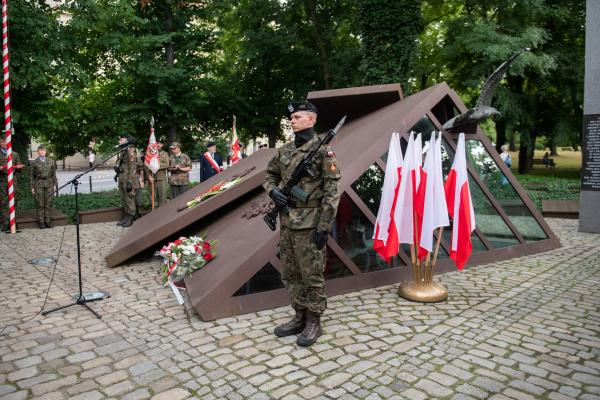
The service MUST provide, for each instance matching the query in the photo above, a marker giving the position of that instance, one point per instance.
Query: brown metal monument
(245, 275)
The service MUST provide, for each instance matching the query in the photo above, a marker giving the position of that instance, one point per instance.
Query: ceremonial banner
(403, 213)
(151, 159)
(236, 153)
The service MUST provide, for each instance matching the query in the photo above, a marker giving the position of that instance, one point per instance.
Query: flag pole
(435, 255)
(7, 119)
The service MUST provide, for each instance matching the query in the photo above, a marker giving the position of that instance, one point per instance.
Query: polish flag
(385, 238)
(418, 178)
(404, 211)
(152, 159)
(435, 210)
(460, 206)
(236, 154)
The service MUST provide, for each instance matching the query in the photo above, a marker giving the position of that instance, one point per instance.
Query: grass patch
(549, 187)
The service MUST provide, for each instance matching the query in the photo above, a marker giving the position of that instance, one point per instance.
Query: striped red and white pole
(7, 119)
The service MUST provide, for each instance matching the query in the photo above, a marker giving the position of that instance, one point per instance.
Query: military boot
(42, 225)
(294, 326)
(311, 331)
(49, 224)
(128, 221)
(121, 222)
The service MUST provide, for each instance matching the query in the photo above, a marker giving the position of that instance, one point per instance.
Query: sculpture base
(429, 293)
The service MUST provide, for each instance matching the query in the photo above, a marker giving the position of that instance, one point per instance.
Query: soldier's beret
(300, 106)
(41, 147)
(131, 140)
(210, 144)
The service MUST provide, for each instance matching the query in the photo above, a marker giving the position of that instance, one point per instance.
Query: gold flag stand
(423, 289)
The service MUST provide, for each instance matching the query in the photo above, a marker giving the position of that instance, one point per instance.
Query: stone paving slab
(526, 328)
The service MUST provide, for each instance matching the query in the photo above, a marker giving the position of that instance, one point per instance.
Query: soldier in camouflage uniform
(160, 178)
(304, 225)
(180, 166)
(43, 181)
(17, 165)
(128, 170)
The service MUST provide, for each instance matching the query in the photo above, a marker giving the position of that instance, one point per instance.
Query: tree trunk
(511, 141)
(526, 148)
(170, 59)
(272, 132)
(500, 134)
(318, 36)
(551, 144)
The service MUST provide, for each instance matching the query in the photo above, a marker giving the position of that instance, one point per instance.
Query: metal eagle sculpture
(483, 109)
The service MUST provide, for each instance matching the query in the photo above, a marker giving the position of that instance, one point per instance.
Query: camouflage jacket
(179, 177)
(43, 173)
(130, 167)
(4, 166)
(321, 207)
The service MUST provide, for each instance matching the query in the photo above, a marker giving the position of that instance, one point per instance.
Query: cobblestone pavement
(527, 328)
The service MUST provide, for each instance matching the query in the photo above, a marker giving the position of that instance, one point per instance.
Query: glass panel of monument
(334, 267)
(503, 191)
(267, 278)
(353, 232)
(369, 186)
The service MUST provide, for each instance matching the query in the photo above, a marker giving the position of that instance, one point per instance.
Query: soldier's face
(3, 144)
(302, 119)
(42, 152)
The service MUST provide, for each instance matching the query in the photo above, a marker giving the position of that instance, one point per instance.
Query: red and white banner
(7, 119)
(152, 159)
(409, 177)
(236, 153)
(460, 206)
(435, 209)
(385, 238)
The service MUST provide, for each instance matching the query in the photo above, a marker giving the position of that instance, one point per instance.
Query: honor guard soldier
(128, 168)
(16, 162)
(305, 225)
(179, 165)
(43, 181)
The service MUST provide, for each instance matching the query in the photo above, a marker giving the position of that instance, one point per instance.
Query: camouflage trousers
(303, 266)
(43, 203)
(127, 199)
(160, 188)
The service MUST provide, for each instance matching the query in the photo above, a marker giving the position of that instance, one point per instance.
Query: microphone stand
(81, 298)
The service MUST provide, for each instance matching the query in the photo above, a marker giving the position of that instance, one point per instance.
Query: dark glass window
(334, 267)
(266, 279)
(503, 191)
(353, 232)
(369, 186)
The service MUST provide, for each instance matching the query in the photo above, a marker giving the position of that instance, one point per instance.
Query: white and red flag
(151, 159)
(404, 211)
(460, 206)
(385, 238)
(236, 153)
(435, 209)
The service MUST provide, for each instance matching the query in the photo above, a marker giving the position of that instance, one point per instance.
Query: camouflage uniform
(43, 181)
(303, 263)
(179, 179)
(129, 165)
(4, 212)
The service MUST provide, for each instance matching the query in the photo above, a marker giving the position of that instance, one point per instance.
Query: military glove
(278, 197)
(319, 238)
(129, 187)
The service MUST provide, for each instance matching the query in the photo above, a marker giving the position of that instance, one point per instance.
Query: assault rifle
(303, 168)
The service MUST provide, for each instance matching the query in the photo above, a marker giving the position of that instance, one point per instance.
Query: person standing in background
(211, 162)
(43, 181)
(160, 178)
(180, 166)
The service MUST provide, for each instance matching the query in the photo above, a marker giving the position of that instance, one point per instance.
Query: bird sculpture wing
(492, 82)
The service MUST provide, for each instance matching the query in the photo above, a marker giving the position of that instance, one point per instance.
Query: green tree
(35, 62)
(389, 32)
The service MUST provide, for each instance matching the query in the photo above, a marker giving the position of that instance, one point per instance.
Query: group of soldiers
(132, 174)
